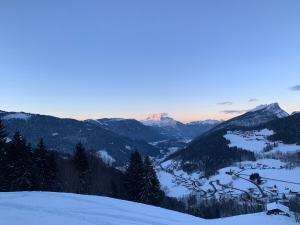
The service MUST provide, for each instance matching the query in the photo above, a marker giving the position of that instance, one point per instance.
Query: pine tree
(114, 192)
(151, 192)
(40, 161)
(2, 136)
(46, 168)
(81, 165)
(134, 177)
(19, 165)
(52, 175)
(3, 159)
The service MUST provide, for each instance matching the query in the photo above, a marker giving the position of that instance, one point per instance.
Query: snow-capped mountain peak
(273, 108)
(259, 115)
(157, 116)
(159, 120)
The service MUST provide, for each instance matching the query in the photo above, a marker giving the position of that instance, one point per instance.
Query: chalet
(277, 209)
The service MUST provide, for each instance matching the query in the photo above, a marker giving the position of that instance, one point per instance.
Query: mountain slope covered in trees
(130, 128)
(63, 134)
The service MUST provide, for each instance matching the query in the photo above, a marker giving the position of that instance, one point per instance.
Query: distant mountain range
(63, 134)
(171, 128)
(116, 136)
(159, 134)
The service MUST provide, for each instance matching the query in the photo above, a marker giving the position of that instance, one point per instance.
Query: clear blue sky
(91, 59)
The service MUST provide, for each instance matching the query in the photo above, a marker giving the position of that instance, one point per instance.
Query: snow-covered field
(275, 176)
(42, 208)
(169, 177)
(256, 141)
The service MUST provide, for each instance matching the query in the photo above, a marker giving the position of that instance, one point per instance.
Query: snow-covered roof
(274, 205)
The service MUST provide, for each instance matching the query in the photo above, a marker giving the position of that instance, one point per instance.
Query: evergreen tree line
(219, 208)
(294, 205)
(141, 182)
(24, 168)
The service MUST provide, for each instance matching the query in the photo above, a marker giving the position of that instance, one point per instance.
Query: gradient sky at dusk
(193, 59)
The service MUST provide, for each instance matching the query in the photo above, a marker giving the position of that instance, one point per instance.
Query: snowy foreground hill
(42, 208)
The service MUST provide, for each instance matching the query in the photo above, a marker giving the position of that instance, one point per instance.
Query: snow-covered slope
(277, 179)
(257, 141)
(42, 208)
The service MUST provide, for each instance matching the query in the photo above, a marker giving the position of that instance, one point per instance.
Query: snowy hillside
(257, 141)
(41, 208)
(277, 179)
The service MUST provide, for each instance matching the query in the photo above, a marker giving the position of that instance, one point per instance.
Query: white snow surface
(266, 168)
(107, 158)
(44, 208)
(170, 186)
(19, 115)
(178, 183)
(168, 174)
(256, 141)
